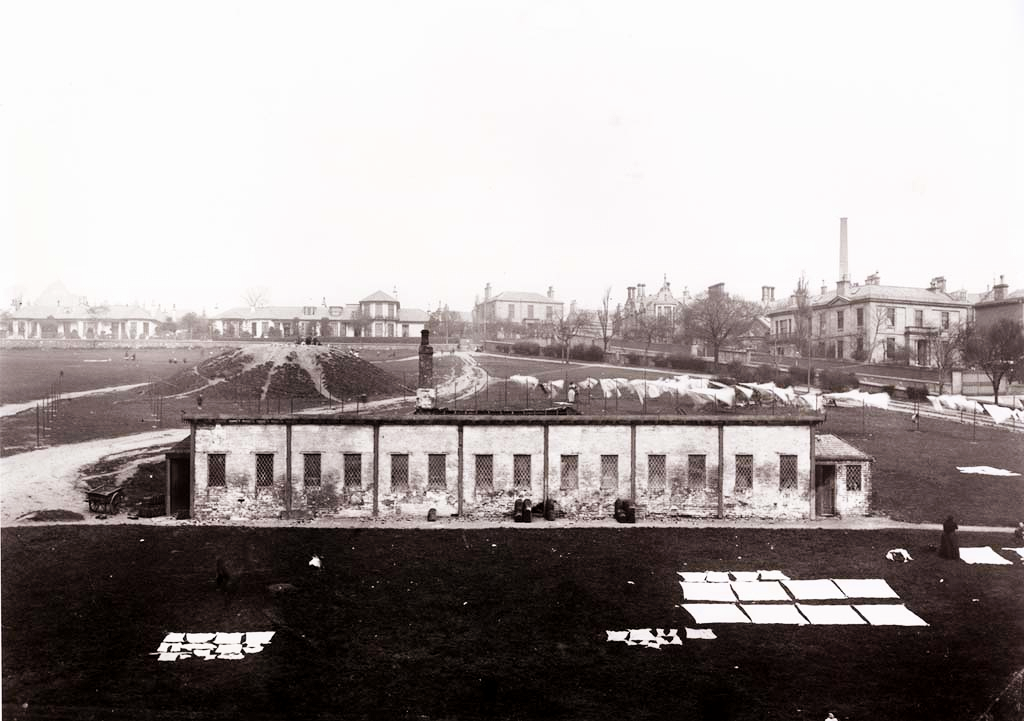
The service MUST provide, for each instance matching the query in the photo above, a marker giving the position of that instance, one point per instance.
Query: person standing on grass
(949, 545)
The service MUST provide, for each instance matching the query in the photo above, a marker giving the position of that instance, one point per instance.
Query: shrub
(764, 373)
(592, 353)
(634, 359)
(682, 361)
(525, 347)
(917, 393)
(552, 351)
(891, 390)
(836, 381)
(859, 355)
(661, 360)
(735, 368)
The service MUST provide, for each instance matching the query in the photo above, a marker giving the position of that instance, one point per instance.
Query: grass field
(28, 374)
(915, 472)
(495, 623)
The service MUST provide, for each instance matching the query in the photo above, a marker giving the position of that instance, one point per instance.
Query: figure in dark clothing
(949, 546)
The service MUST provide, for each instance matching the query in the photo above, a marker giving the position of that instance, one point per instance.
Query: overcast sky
(182, 152)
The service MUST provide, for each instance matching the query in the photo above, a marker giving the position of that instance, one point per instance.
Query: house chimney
(630, 294)
(717, 290)
(872, 279)
(824, 288)
(551, 292)
(767, 294)
(938, 284)
(487, 292)
(999, 291)
(843, 285)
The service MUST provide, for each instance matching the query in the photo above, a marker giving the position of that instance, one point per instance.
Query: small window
(919, 318)
(860, 345)
(485, 472)
(890, 347)
(511, 311)
(309, 310)
(311, 469)
(839, 319)
(570, 473)
(529, 311)
(353, 470)
(264, 469)
(821, 323)
(890, 317)
(697, 471)
(521, 480)
(853, 478)
(437, 472)
(549, 311)
(399, 471)
(215, 474)
(945, 320)
(860, 317)
(744, 472)
(787, 473)
(656, 472)
(609, 473)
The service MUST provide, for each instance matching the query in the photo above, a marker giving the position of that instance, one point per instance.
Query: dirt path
(50, 479)
(14, 408)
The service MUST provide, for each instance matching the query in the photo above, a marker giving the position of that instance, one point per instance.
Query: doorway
(825, 489)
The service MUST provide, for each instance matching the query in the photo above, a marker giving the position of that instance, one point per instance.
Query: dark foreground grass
(501, 623)
(915, 471)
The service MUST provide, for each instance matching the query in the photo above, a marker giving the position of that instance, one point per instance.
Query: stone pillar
(426, 379)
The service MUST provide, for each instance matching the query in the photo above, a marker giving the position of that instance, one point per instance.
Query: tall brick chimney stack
(843, 286)
(999, 291)
(426, 379)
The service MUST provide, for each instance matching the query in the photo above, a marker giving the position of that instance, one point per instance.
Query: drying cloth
(865, 588)
(669, 637)
(715, 613)
(986, 471)
(998, 413)
(743, 575)
(707, 592)
(759, 591)
(811, 400)
(814, 590)
(705, 633)
(983, 554)
(617, 635)
(876, 400)
(748, 393)
(640, 635)
(774, 613)
(936, 403)
(898, 554)
(609, 387)
(528, 381)
(1018, 551)
(718, 577)
(772, 576)
(880, 614)
(588, 383)
(829, 615)
(693, 576)
(557, 385)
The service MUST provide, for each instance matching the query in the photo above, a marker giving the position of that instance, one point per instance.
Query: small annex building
(477, 466)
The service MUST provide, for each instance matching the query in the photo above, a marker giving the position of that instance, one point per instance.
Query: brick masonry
(626, 443)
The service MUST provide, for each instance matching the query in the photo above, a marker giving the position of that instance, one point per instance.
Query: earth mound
(284, 370)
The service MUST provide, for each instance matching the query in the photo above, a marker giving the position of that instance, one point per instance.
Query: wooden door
(825, 489)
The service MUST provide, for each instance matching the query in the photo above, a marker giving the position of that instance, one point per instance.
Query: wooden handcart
(106, 499)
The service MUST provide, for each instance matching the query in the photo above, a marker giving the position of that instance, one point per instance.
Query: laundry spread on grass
(759, 591)
(1018, 551)
(655, 638)
(707, 591)
(865, 588)
(814, 590)
(830, 614)
(982, 555)
(889, 615)
(986, 471)
(210, 646)
(782, 613)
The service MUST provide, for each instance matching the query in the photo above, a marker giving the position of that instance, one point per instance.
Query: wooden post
(813, 477)
(721, 470)
(632, 462)
(461, 475)
(376, 469)
(546, 464)
(288, 468)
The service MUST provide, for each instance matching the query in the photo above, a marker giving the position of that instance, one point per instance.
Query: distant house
(379, 315)
(997, 304)
(516, 312)
(60, 314)
(640, 306)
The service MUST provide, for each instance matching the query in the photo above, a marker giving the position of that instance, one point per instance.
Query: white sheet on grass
(830, 615)
(617, 635)
(707, 592)
(814, 590)
(715, 613)
(693, 576)
(529, 381)
(983, 554)
(774, 613)
(986, 471)
(936, 403)
(705, 633)
(1018, 551)
(717, 577)
(865, 588)
(998, 413)
(759, 591)
(884, 614)
(743, 575)
(772, 576)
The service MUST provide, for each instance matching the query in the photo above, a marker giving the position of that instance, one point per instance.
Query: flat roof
(516, 420)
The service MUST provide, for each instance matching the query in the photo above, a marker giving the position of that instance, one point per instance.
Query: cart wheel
(115, 503)
(92, 506)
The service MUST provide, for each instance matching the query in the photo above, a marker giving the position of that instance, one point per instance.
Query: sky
(180, 154)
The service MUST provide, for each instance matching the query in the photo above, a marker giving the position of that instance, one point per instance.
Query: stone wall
(646, 459)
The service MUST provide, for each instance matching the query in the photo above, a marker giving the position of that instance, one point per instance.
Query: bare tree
(256, 296)
(716, 317)
(883, 318)
(567, 328)
(651, 327)
(605, 319)
(998, 349)
(944, 349)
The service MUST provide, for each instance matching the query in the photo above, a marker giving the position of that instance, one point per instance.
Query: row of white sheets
(986, 471)
(985, 555)
(858, 399)
(659, 637)
(799, 614)
(727, 576)
(805, 590)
